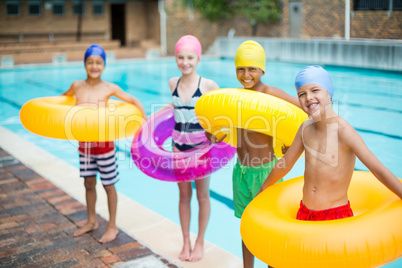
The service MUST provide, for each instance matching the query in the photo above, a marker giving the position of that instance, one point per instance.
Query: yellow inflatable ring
(223, 110)
(58, 117)
(373, 237)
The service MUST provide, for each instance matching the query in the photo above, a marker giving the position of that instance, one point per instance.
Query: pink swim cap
(189, 42)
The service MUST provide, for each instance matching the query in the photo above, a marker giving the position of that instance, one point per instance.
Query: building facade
(130, 22)
(368, 19)
(137, 23)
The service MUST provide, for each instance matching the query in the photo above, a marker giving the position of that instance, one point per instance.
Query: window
(79, 7)
(377, 5)
(397, 5)
(34, 8)
(99, 7)
(58, 8)
(13, 8)
(371, 4)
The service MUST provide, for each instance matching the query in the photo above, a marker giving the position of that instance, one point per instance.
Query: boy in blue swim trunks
(98, 156)
(255, 154)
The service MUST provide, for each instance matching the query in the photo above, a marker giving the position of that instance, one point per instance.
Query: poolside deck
(42, 204)
(37, 220)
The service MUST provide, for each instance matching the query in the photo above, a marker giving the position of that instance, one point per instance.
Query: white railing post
(347, 20)
(390, 9)
(162, 14)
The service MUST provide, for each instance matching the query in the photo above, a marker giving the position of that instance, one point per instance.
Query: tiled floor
(156, 232)
(37, 221)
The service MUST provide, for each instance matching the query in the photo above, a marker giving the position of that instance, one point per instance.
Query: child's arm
(172, 83)
(71, 91)
(211, 85)
(277, 92)
(121, 94)
(169, 105)
(285, 164)
(381, 172)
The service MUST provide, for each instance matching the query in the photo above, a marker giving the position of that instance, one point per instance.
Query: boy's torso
(254, 148)
(329, 165)
(92, 95)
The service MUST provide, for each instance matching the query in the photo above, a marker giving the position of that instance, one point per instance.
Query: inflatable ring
(58, 117)
(221, 111)
(150, 157)
(372, 238)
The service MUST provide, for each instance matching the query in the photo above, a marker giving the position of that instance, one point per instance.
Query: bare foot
(88, 227)
(110, 235)
(185, 252)
(197, 253)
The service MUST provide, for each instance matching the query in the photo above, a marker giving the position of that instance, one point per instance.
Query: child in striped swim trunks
(98, 156)
(188, 134)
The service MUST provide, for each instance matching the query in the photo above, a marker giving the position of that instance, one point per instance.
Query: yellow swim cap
(250, 53)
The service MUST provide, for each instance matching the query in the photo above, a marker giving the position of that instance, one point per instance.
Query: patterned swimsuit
(187, 132)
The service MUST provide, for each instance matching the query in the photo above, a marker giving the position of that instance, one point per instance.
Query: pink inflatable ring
(150, 157)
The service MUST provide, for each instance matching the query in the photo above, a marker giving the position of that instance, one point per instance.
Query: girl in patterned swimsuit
(188, 134)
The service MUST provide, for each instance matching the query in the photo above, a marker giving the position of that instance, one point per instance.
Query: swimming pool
(368, 99)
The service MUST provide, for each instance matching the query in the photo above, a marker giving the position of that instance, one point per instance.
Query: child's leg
(90, 194)
(111, 230)
(202, 186)
(248, 258)
(186, 191)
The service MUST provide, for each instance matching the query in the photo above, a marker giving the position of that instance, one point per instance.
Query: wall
(326, 18)
(142, 22)
(376, 24)
(321, 18)
(179, 23)
(135, 23)
(47, 22)
(153, 21)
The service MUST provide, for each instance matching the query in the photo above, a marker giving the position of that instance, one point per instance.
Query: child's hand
(215, 140)
(285, 149)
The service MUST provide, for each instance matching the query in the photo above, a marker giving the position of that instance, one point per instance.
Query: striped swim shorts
(105, 164)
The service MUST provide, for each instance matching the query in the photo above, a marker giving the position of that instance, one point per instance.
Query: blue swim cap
(95, 50)
(314, 75)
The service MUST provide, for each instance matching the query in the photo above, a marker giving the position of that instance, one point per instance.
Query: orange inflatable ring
(372, 238)
(58, 117)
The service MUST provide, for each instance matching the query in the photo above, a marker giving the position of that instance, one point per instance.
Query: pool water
(368, 99)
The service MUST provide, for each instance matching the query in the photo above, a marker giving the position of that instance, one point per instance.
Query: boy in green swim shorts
(247, 182)
(255, 154)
